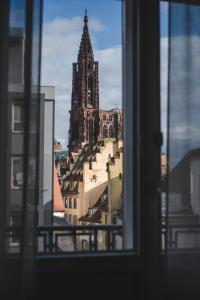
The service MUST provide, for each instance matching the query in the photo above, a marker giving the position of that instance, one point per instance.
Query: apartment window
(17, 175)
(70, 218)
(145, 65)
(70, 202)
(75, 203)
(18, 117)
(15, 224)
(106, 219)
(71, 185)
(75, 220)
(84, 245)
(32, 171)
(66, 202)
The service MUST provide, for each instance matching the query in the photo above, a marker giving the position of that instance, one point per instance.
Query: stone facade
(86, 179)
(88, 123)
(110, 123)
(94, 162)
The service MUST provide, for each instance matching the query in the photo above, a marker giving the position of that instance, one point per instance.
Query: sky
(62, 29)
(184, 91)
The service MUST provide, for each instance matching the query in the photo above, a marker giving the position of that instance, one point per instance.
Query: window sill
(124, 261)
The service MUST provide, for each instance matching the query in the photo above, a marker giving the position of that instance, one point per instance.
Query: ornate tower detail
(84, 117)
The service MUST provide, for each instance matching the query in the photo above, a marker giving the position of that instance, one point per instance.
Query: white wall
(47, 161)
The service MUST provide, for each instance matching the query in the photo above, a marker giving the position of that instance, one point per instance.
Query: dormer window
(71, 185)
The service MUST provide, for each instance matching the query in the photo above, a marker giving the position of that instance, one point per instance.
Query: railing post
(51, 246)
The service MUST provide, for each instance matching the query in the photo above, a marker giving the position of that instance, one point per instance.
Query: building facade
(43, 107)
(87, 122)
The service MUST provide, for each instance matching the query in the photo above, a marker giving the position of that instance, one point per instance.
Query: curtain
(20, 37)
(183, 152)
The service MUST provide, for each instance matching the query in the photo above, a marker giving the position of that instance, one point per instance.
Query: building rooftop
(58, 205)
(94, 214)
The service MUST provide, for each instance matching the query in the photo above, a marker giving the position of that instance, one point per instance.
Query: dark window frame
(142, 40)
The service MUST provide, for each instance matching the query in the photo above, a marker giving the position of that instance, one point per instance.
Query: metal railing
(181, 237)
(65, 239)
(94, 238)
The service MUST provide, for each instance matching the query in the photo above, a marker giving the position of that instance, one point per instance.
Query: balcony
(59, 240)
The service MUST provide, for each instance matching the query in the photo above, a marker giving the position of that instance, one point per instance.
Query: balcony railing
(94, 238)
(65, 239)
(181, 237)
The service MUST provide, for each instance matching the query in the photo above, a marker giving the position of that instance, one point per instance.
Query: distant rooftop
(60, 154)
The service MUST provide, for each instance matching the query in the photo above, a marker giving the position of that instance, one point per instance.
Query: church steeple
(86, 17)
(85, 92)
(85, 45)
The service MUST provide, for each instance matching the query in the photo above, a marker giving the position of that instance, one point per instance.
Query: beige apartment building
(86, 179)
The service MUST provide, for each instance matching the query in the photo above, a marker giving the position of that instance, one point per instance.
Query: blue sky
(62, 30)
(63, 22)
(108, 11)
(105, 25)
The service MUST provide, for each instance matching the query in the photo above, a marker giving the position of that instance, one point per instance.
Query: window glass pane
(82, 59)
(75, 203)
(15, 147)
(18, 117)
(17, 173)
(181, 158)
(15, 223)
(17, 113)
(22, 148)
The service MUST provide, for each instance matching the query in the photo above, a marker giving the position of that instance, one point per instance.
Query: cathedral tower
(84, 114)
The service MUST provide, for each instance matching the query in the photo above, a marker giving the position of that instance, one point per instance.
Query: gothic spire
(84, 115)
(86, 17)
(85, 44)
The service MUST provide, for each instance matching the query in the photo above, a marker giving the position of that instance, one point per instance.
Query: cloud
(110, 77)
(61, 39)
(184, 93)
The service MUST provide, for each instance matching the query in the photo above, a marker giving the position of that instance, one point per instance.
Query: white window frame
(19, 103)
